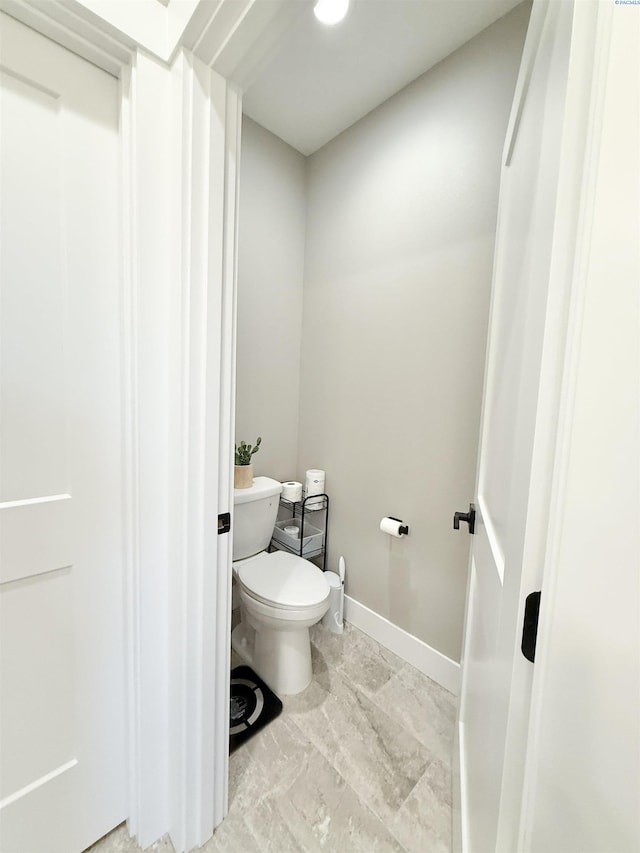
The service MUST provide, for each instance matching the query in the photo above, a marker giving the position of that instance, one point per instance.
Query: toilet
(281, 595)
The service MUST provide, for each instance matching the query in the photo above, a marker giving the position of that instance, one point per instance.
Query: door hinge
(530, 625)
(224, 522)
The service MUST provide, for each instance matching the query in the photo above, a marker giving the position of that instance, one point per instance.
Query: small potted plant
(243, 472)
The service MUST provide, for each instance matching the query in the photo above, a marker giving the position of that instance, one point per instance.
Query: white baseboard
(432, 663)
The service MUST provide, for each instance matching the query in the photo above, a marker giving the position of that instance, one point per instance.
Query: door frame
(559, 375)
(180, 327)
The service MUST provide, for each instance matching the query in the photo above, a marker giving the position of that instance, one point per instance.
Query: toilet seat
(283, 580)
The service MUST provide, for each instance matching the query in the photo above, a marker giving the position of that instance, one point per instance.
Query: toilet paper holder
(404, 528)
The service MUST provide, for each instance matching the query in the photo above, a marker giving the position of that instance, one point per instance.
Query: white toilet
(281, 594)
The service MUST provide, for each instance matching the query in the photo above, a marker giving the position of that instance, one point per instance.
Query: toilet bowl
(281, 597)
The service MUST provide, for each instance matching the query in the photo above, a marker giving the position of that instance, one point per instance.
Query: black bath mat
(252, 706)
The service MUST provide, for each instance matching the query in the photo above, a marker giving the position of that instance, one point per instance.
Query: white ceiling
(320, 80)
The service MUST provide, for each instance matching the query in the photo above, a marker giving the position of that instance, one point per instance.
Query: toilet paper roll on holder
(403, 529)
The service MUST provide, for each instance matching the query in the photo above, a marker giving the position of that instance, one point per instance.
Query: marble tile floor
(118, 841)
(360, 762)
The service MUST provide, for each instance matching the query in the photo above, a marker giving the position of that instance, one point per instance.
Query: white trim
(155, 26)
(534, 34)
(428, 660)
(130, 520)
(229, 165)
(206, 123)
(236, 37)
(76, 32)
(146, 320)
(190, 735)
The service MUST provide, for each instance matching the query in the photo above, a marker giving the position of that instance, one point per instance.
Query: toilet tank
(254, 516)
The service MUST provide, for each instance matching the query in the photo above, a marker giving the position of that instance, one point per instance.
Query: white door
(62, 782)
(511, 489)
(582, 789)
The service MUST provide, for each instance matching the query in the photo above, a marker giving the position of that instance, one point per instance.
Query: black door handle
(469, 517)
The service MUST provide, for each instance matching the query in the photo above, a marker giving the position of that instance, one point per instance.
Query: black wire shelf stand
(312, 513)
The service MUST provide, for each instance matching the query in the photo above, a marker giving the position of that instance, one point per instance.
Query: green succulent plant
(245, 451)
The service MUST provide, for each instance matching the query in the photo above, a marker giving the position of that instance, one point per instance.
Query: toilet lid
(284, 580)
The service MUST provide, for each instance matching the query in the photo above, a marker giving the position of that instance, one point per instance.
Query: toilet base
(281, 658)
(242, 642)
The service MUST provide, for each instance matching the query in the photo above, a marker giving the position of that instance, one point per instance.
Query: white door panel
(34, 313)
(501, 550)
(37, 682)
(61, 547)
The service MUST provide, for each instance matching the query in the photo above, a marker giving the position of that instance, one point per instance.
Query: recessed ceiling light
(331, 11)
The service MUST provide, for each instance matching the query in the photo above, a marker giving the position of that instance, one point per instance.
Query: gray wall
(270, 280)
(380, 380)
(401, 223)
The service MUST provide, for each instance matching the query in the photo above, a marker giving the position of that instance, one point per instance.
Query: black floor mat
(252, 706)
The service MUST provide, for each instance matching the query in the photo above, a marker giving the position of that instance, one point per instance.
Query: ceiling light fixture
(330, 11)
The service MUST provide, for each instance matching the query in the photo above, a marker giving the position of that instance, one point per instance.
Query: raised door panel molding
(34, 537)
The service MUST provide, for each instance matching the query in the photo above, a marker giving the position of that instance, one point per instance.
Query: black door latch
(530, 625)
(224, 522)
(469, 517)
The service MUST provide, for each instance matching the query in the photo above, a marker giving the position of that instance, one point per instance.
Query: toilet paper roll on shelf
(394, 527)
(314, 485)
(292, 491)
